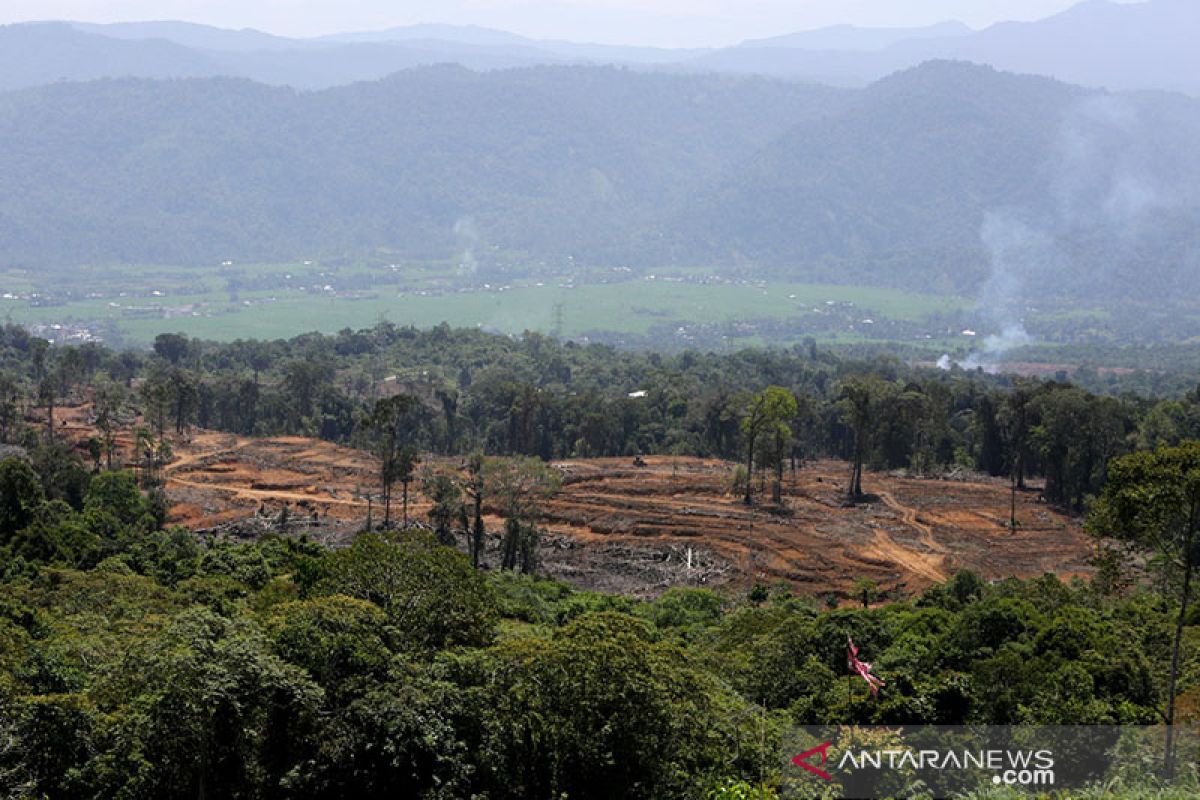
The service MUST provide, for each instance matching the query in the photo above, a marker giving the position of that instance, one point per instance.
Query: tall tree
(1014, 417)
(10, 408)
(49, 387)
(521, 484)
(406, 466)
(108, 399)
(446, 496)
(20, 495)
(392, 420)
(766, 420)
(156, 393)
(172, 347)
(857, 401)
(475, 487)
(1152, 502)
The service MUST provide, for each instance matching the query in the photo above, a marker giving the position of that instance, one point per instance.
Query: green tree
(208, 711)
(338, 640)
(20, 495)
(392, 420)
(857, 403)
(117, 493)
(109, 398)
(1152, 502)
(475, 487)
(404, 470)
(521, 485)
(172, 347)
(447, 507)
(10, 408)
(156, 392)
(1015, 419)
(767, 418)
(430, 593)
(601, 710)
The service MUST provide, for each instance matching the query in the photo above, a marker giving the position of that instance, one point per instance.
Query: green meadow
(209, 303)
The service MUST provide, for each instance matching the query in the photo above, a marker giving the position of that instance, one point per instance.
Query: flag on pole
(862, 668)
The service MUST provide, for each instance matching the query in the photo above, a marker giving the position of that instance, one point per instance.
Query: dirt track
(918, 532)
(641, 529)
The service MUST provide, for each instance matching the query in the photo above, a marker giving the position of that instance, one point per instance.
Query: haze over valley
(985, 195)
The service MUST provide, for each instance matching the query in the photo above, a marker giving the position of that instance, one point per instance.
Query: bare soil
(638, 530)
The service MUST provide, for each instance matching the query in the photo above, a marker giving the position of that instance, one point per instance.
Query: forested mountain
(545, 160)
(919, 181)
(910, 177)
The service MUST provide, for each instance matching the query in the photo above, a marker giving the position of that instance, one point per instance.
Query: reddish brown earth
(917, 532)
(640, 529)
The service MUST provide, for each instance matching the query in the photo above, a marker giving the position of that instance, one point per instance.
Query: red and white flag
(862, 668)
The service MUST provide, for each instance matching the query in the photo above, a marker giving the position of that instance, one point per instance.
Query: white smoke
(1017, 255)
(1104, 169)
(994, 348)
(467, 235)
(1105, 176)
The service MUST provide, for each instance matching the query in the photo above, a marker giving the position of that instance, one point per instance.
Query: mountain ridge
(893, 185)
(1076, 45)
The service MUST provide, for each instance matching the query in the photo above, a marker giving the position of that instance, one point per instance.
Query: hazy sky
(661, 22)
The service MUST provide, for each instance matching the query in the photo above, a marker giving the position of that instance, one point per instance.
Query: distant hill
(42, 53)
(904, 181)
(547, 160)
(474, 36)
(460, 34)
(1148, 45)
(188, 34)
(920, 181)
(1120, 46)
(851, 38)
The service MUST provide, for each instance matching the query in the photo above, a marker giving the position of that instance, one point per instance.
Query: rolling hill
(898, 184)
(543, 160)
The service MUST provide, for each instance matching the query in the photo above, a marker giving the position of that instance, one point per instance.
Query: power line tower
(557, 328)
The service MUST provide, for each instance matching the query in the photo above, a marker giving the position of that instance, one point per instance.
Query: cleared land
(640, 529)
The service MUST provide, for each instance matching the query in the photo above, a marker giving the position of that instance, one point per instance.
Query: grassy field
(208, 303)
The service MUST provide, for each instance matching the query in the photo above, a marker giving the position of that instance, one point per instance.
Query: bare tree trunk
(1012, 505)
(749, 469)
(856, 474)
(387, 505)
(478, 533)
(50, 415)
(777, 489)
